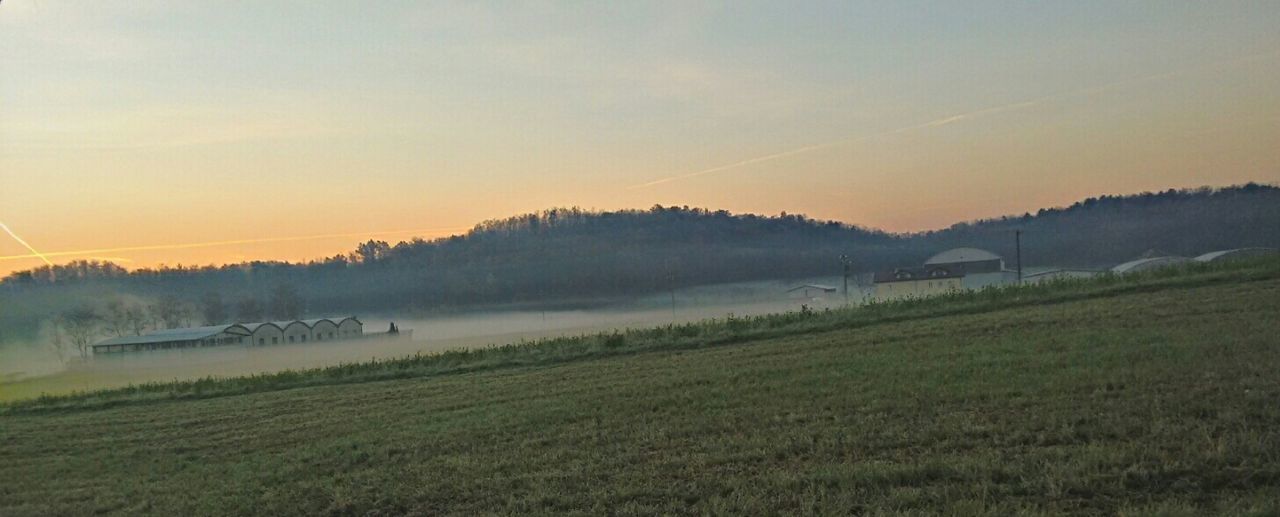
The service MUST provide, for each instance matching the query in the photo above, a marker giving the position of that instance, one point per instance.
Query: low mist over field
(28, 369)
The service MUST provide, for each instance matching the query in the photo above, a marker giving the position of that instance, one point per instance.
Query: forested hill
(571, 254)
(1106, 230)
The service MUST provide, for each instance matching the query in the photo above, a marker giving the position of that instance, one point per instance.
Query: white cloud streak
(34, 252)
(1094, 90)
(209, 244)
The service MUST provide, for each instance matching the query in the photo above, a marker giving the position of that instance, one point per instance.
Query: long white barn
(249, 334)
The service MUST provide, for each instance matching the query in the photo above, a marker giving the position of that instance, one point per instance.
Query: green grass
(1147, 395)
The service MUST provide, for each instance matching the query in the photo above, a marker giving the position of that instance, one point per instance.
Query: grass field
(1156, 395)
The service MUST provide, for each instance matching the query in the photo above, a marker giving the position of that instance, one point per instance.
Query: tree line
(570, 255)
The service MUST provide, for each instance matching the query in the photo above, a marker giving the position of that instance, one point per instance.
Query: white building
(246, 334)
(265, 333)
(980, 268)
(167, 339)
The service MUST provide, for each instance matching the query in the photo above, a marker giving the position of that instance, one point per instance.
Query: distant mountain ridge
(570, 253)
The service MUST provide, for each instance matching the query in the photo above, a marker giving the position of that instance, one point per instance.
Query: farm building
(809, 291)
(322, 329)
(167, 339)
(980, 268)
(917, 282)
(265, 333)
(1145, 264)
(294, 331)
(253, 334)
(949, 271)
(349, 327)
(1236, 254)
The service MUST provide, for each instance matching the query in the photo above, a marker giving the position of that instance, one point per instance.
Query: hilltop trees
(571, 255)
(370, 252)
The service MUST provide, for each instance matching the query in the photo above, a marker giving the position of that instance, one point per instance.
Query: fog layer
(31, 370)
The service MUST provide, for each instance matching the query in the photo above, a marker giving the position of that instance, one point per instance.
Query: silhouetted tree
(372, 251)
(115, 317)
(80, 326)
(136, 317)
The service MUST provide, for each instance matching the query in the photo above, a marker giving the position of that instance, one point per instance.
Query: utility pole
(1017, 239)
(847, 263)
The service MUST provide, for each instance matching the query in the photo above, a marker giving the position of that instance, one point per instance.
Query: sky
(149, 132)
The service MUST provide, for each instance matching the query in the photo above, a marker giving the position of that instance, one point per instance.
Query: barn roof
(287, 324)
(1056, 271)
(160, 336)
(253, 327)
(1148, 263)
(1235, 253)
(826, 288)
(953, 256)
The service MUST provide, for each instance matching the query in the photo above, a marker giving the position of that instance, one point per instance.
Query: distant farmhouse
(247, 334)
(810, 291)
(949, 271)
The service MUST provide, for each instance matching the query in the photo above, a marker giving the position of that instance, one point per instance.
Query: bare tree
(56, 343)
(115, 317)
(186, 310)
(81, 325)
(136, 317)
(153, 314)
(170, 310)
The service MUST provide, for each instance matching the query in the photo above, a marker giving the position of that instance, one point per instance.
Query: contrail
(736, 165)
(805, 149)
(957, 118)
(34, 253)
(933, 123)
(210, 244)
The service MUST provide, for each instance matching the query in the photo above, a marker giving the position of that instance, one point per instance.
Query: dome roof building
(1235, 254)
(1145, 264)
(961, 255)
